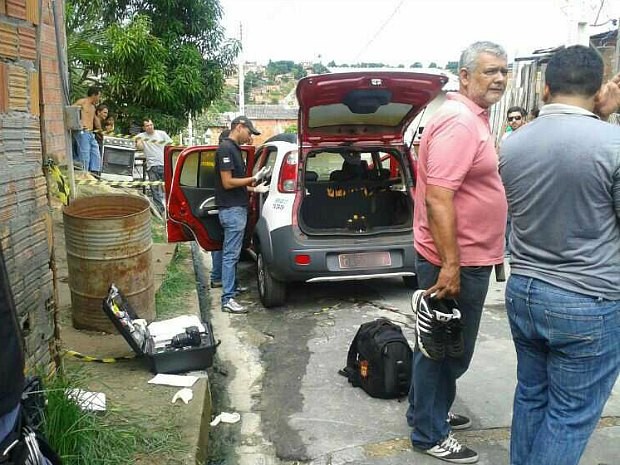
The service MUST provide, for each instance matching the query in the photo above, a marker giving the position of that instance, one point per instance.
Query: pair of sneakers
(439, 326)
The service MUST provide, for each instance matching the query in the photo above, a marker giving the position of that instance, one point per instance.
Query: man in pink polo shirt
(459, 223)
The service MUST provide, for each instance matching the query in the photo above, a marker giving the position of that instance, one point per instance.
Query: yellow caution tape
(63, 188)
(92, 182)
(88, 358)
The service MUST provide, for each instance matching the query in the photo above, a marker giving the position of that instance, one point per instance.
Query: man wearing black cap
(231, 197)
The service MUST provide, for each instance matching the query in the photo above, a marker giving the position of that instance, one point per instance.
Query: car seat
(311, 176)
(350, 172)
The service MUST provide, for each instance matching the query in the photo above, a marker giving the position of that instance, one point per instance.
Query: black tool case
(161, 357)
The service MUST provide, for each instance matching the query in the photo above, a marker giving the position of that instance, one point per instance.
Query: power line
(595, 24)
(380, 30)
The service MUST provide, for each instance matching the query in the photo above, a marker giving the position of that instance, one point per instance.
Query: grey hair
(469, 57)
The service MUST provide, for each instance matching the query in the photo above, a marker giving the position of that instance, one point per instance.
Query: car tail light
(302, 259)
(288, 173)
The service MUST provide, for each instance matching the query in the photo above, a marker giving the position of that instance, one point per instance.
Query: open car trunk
(355, 192)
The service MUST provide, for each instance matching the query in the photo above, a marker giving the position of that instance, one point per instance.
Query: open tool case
(175, 345)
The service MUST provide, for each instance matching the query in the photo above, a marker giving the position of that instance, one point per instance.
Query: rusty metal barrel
(108, 240)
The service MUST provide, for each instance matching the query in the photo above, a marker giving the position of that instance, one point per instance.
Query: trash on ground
(173, 380)
(185, 394)
(87, 401)
(226, 417)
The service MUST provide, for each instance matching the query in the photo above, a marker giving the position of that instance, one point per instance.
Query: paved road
(296, 409)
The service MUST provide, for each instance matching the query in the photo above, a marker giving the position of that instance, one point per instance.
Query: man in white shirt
(152, 143)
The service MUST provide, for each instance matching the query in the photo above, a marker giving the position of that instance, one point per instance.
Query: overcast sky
(400, 31)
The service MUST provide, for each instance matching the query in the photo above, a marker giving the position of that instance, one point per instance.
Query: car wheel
(245, 256)
(271, 291)
(411, 282)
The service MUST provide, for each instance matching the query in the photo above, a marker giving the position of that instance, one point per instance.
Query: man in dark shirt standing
(562, 179)
(231, 197)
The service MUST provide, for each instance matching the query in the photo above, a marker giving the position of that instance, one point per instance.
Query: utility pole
(241, 77)
(190, 129)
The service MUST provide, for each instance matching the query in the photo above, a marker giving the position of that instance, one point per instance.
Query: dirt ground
(129, 397)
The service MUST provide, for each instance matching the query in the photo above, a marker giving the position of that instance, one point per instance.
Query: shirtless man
(87, 148)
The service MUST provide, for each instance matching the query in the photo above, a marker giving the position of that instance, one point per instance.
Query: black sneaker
(455, 344)
(458, 422)
(450, 450)
(430, 330)
(216, 284)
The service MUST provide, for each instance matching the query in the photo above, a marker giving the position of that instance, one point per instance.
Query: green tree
(275, 68)
(417, 64)
(318, 68)
(452, 66)
(298, 71)
(161, 58)
(433, 65)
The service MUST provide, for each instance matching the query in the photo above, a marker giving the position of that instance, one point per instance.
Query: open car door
(175, 232)
(191, 195)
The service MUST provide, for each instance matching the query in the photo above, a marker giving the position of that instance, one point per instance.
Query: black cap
(246, 122)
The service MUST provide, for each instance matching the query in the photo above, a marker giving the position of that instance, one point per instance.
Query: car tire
(272, 292)
(411, 282)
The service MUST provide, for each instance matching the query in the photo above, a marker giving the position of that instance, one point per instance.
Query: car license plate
(364, 260)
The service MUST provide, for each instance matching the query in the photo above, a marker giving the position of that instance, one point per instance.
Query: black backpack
(379, 360)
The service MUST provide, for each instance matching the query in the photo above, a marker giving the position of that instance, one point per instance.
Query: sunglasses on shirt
(514, 118)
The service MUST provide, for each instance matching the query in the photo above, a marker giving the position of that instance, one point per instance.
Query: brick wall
(31, 128)
(270, 127)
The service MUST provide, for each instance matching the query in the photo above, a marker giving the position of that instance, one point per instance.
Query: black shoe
(430, 331)
(455, 344)
(458, 422)
(450, 450)
(239, 289)
(216, 284)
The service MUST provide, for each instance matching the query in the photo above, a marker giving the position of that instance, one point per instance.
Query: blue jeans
(88, 153)
(433, 383)
(7, 423)
(568, 356)
(216, 266)
(156, 173)
(233, 220)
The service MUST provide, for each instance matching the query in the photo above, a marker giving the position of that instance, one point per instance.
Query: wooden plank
(34, 93)
(4, 88)
(32, 11)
